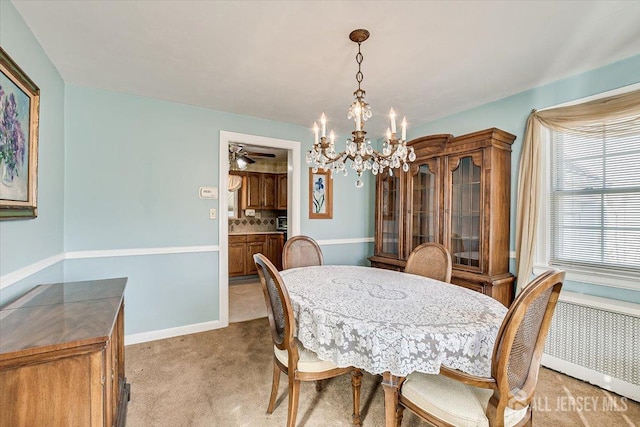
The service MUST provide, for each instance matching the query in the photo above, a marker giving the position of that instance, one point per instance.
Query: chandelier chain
(359, 75)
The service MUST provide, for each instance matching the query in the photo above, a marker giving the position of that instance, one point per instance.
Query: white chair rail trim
(106, 253)
(328, 242)
(31, 269)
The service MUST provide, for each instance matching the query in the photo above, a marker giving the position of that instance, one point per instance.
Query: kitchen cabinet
(457, 193)
(281, 192)
(62, 356)
(237, 249)
(242, 247)
(256, 244)
(259, 191)
(251, 189)
(268, 194)
(275, 242)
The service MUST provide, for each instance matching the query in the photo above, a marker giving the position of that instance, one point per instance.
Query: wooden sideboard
(62, 356)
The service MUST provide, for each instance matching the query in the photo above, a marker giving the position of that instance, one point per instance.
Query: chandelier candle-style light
(359, 150)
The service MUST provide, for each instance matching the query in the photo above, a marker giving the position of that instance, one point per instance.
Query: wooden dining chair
(454, 398)
(430, 260)
(290, 357)
(301, 251)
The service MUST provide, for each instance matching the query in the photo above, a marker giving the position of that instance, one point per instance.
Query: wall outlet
(258, 215)
(213, 214)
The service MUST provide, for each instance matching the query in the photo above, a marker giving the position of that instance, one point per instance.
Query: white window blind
(595, 197)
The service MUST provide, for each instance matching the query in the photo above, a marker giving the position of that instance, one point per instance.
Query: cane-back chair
(301, 251)
(290, 357)
(454, 398)
(430, 260)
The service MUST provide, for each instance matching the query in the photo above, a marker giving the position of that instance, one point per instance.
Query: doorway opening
(243, 217)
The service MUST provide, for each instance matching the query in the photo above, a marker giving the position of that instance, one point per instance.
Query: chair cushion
(453, 401)
(307, 362)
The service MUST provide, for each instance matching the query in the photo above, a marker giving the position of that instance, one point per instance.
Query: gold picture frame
(19, 110)
(320, 195)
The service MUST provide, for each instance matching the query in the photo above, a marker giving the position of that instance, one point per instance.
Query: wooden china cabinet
(457, 193)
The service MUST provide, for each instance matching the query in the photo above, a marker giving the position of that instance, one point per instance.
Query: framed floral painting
(320, 195)
(19, 118)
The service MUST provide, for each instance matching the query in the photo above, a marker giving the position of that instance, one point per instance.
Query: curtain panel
(584, 119)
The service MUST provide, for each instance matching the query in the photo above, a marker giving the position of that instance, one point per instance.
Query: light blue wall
(133, 168)
(25, 242)
(122, 172)
(347, 254)
(163, 291)
(510, 114)
(353, 215)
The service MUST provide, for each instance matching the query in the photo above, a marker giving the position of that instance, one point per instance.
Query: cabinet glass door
(424, 201)
(390, 214)
(465, 213)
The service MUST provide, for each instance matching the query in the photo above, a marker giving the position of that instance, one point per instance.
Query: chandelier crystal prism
(359, 151)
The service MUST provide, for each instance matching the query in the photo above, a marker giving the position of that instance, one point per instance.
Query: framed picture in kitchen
(320, 194)
(19, 118)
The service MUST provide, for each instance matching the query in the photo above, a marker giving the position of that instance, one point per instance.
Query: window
(589, 222)
(594, 198)
(233, 211)
(579, 190)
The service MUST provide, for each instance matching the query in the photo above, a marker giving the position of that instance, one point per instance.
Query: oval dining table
(392, 323)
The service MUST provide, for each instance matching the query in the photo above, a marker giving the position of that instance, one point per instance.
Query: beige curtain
(583, 119)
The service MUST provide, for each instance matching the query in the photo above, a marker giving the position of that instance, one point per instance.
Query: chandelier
(359, 150)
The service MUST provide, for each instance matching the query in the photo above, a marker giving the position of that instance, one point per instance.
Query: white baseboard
(606, 382)
(173, 332)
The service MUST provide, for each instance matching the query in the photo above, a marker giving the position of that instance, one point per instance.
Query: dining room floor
(222, 377)
(246, 303)
(246, 300)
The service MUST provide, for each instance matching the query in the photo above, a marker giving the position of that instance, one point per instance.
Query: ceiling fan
(239, 158)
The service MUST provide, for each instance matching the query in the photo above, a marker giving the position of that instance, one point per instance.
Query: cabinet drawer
(256, 238)
(238, 238)
(469, 285)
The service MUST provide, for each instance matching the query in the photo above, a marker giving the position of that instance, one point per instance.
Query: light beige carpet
(223, 378)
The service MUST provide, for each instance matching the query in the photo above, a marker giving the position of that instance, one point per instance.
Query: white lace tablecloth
(380, 320)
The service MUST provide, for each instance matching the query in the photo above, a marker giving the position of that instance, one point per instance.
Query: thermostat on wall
(208, 192)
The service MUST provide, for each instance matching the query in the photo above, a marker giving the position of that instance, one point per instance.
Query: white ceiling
(289, 61)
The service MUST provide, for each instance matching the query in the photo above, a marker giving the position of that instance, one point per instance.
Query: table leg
(390, 385)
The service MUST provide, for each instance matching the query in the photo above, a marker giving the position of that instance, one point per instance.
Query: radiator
(596, 340)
